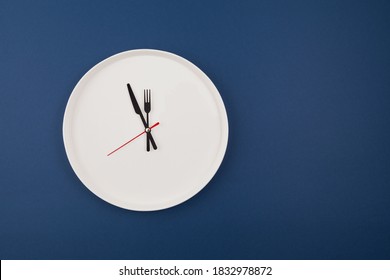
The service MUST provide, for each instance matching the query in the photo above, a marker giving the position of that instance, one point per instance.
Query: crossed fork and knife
(147, 109)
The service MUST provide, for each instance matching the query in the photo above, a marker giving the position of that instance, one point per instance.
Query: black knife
(138, 111)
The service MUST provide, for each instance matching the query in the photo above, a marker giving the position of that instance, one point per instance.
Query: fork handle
(148, 135)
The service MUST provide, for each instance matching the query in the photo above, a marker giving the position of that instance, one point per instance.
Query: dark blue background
(307, 88)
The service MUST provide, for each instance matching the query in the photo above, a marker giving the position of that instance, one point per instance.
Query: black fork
(147, 109)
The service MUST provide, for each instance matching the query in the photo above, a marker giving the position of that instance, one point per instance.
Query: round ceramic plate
(107, 111)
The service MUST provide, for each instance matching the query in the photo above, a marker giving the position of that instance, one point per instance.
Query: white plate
(191, 138)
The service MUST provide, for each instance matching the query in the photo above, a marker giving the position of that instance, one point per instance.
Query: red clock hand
(120, 147)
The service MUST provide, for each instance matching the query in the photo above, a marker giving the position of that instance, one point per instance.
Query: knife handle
(151, 140)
